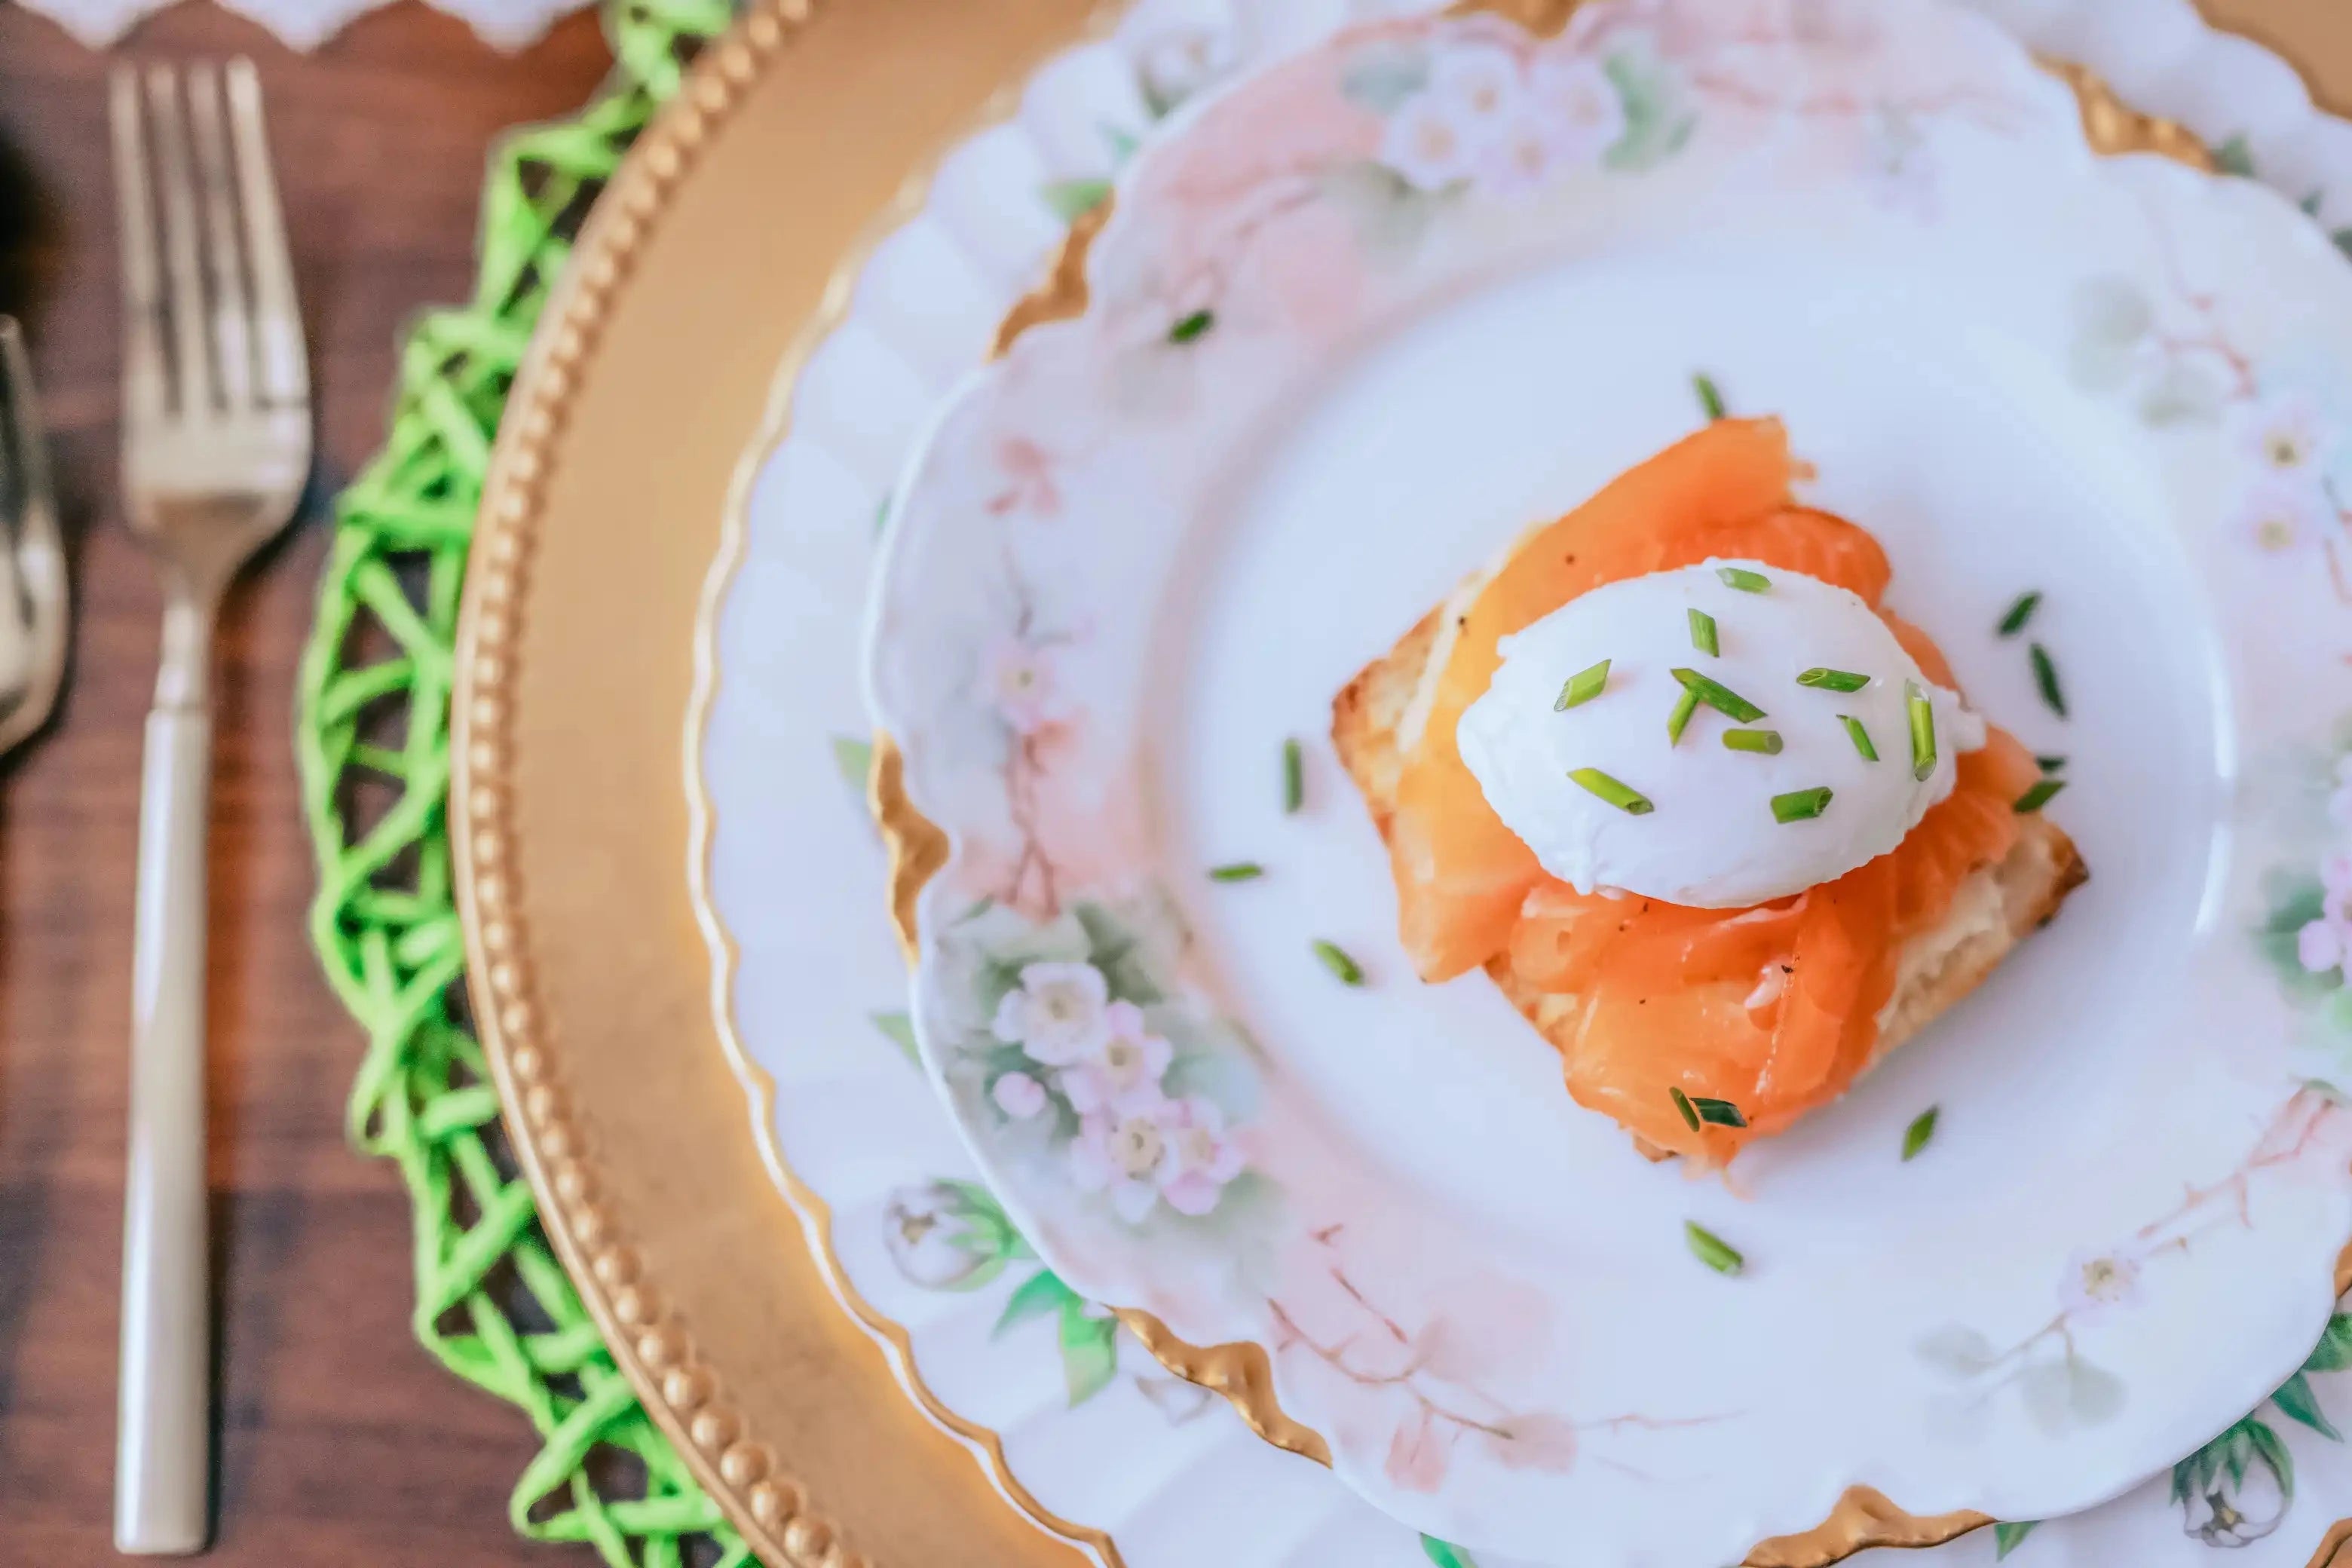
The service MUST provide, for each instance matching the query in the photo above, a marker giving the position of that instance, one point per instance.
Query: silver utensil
(217, 444)
(34, 609)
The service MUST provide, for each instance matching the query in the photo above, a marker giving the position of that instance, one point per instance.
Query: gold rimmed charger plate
(705, 259)
(703, 270)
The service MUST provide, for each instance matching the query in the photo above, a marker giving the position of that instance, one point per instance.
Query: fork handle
(162, 1459)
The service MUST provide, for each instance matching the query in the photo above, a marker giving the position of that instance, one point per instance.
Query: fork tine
(143, 288)
(181, 273)
(232, 333)
(277, 316)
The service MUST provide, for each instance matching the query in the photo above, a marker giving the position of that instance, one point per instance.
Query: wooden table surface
(343, 1444)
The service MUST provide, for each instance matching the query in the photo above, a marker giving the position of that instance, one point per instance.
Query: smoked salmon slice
(1461, 875)
(1774, 1008)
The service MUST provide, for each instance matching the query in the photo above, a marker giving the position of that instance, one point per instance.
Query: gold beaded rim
(682, 1392)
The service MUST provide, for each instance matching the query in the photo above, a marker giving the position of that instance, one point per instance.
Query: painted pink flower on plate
(1028, 473)
(1144, 1151)
(1430, 144)
(1124, 1153)
(1125, 1070)
(1575, 96)
(2284, 515)
(1205, 1160)
(1020, 683)
(1479, 84)
(2326, 942)
(1527, 154)
(2286, 435)
(2097, 1283)
(1058, 1014)
(1019, 1096)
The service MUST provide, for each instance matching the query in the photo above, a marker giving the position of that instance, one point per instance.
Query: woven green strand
(373, 735)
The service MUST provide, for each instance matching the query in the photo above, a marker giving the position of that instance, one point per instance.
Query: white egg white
(1711, 841)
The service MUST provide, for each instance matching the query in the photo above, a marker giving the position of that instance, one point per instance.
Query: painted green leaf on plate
(855, 757)
(1043, 1294)
(1074, 199)
(2334, 1352)
(901, 1031)
(1089, 1351)
(2298, 1401)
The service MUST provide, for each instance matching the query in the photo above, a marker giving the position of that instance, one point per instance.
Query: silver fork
(32, 557)
(216, 444)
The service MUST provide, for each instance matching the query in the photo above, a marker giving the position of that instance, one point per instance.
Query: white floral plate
(1093, 1430)
(1363, 317)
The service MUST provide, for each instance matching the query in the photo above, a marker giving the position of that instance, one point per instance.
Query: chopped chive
(1632, 803)
(1712, 1249)
(1719, 696)
(1922, 1128)
(2038, 795)
(1801, 805)
(1293, 777)
(1239, 871)
(2019, 612)
(1923, 729)
(2045, 676)
(1348, 970)
(1765, 741)
(2050, 764)
(1718, 1112)
(1860, 736)
(1683, 1103)
(1822, 679)
(1702, 628)
(1684, 706)
(1582, 686)
(1710, 396)
(1741, 578)
(1192, 326)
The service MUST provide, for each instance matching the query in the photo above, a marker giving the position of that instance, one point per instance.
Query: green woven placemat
(372, 733)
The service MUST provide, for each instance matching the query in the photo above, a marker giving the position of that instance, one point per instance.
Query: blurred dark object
(22, 225)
